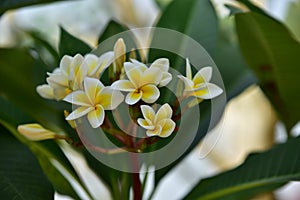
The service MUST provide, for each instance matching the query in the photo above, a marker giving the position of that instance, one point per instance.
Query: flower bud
(36, 132)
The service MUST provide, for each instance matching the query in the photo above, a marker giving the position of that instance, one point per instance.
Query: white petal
(65, 64)
(57, 80)
(155, 132)
(133, 97)
(91, 87)
(35, 132)
(189, 84)
(105, 60)
(164, 112)
(123, 85)
(210, 91)
(188, 70)
(45, 91)
(148, 113)
(79, 112)
(96, 116)
(78, 98)
(166, 78)
(168, 126)
(151, 76)
(143, 123)
(91, 64)
(150, 93)
(133, 73)
(203, 75)
(161, 63)
(109, 99)
(141, 66)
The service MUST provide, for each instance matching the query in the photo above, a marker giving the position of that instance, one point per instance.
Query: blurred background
(249, 123)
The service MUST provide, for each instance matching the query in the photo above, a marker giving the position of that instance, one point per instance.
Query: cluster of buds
(78, 81)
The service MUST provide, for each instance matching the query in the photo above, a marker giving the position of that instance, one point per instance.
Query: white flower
(36, 132)
(159, 124)
(93, 101)
(143, 81)
(199, 86)
(163, 64)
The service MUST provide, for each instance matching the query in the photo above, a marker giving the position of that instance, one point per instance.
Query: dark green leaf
(12, 4)
(273, 53)
(20, 174)
(70, 45)
(260, 172)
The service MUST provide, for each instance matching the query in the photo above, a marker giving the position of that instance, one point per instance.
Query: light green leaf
(273, 53)
(261, 172)
(20, 174)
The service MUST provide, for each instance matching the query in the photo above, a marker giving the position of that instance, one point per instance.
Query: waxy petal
(148, 113)
(123, 85)
(189, 84)
(168, 126)
(143, 123)
(188, 70)
(133, 73)
(90, 64)
(91, 87)
(166, 78)
(79, 112)
(150, 93)
(203, 75)
(150, 76)
(45, 91)
(109, 99)
(35, 132)
(161, 63)
(65, 64)
(133, 97)
(96, 116)
(208, 92)
(141, 66)
(104, 60)
(164, 112)
(155, 132)
(57, 80)
(78, 98)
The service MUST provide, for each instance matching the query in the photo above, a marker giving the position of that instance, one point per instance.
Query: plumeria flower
(93, 100)
(71, 73)
(199, 85)
(163, 64)
(142, 83)
(159, 124)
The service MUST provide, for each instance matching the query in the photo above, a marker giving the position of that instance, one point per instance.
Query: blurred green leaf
(20, 174)
(70, 45)
(261, 172)
(12, 4)
(111, 29)
(273, 53)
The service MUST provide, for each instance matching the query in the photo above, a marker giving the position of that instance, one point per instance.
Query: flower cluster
(77, 81)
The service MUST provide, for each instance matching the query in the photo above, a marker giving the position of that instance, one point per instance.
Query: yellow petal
(104, 60)
(143, 123)
(189, 85)
(148, 113)
(208, 92)
(133, 73)
(96, 116)
(168, 127)
(78, 98)
(133, 97)
(79, 112)
(203, 75)
(109, 99)
(91, 64)
(123, 85)
(91, 87)
(36, 132)
(164, 112)
(150, 93)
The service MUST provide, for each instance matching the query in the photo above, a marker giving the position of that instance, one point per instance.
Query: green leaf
(70, 45)
(20, 174)
(111, 29)
(261, 172)
(12, 4)
(273, 53)
(292, 18)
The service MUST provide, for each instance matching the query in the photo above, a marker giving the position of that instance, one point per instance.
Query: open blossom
(71, 73)
(92, 101)
(159, 124)
(142, 81)
(199, 85)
